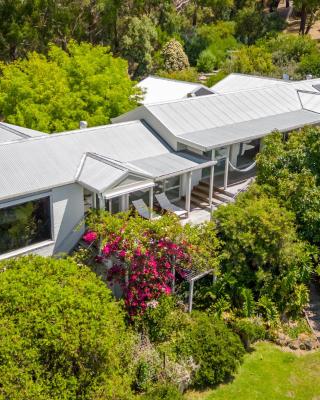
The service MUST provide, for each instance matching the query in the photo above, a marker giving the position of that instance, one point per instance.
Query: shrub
(262, 252)
(175, 59)
(163, 319)
(206, 61)
(249, 330)
(61, 334)
(163, 392)
(215, 349)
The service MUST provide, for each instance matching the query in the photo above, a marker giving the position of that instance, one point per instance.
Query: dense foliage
(215, 349)
(62, 336)
(55, 92)
(265, 265)
(290, 170)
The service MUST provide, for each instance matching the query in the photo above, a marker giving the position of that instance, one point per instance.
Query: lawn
(270, 374)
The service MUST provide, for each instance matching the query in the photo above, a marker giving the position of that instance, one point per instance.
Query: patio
(200, 214)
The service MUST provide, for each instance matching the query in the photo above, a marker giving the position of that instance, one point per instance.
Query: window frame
(34, 246)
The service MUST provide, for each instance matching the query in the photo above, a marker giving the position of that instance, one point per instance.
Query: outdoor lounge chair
(166, 205)
(143, 209)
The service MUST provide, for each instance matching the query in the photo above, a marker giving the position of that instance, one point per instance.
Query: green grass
(269, 373)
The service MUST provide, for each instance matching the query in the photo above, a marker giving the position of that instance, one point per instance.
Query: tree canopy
(54, 92)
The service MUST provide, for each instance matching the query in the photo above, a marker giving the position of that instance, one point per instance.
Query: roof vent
(83, 125)
(285, 77)
(308, 77)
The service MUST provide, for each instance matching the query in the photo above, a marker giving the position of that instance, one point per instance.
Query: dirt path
(313, 311)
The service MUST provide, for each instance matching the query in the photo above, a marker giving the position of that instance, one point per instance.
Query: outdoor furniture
(143, 210)
(166, 205)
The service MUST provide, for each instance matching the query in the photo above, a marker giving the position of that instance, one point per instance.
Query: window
(171, 187)
(25, 224)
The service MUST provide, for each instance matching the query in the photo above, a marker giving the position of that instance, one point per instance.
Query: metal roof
(208, 112)
(248, 130)
(163, 89)
(172, 163)
(9, 133)
(99, 174)
(236, 82)
(41, 163)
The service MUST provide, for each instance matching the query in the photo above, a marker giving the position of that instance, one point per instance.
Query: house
(157, 89)
(194, 149)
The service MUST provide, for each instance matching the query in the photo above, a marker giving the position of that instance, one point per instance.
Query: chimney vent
(83, 124)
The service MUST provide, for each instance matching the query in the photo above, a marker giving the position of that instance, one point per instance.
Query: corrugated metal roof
(97, 175)
(208, 112)
(41, 163)
(170, 163)
(236, 82)
(162, 89)
(9, 133)
(235, 133)
(101, 173)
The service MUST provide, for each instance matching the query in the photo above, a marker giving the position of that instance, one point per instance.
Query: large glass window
(171, 187)
(25, 224)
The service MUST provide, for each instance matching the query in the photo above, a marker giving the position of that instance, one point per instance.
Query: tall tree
(309, 13)
(54, 93)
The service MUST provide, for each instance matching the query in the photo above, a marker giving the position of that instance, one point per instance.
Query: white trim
(127, 190)
(27, 249)
(25, 199)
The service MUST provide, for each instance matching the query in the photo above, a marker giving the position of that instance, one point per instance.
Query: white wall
(67, 207)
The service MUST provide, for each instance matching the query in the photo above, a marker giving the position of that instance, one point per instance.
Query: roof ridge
(198, 98)
(47, 136)
(170, 80)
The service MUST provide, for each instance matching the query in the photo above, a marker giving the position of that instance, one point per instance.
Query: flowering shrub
(146, 255)
(90, 237)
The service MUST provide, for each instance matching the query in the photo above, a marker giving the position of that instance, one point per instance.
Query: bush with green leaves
(262, 252)
(163, 319)
(62, 336)
(214, 348)
(206, 61)
(251, 60)
(250, 330)
(290, 170)
(163, 391)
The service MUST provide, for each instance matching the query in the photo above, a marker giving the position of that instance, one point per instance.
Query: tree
(309, 13)
(31, 25)
(290, 170)
(251, 60)
(263, 253)
(61, 334)
(175, 59)
(53, 93)
(138, 44)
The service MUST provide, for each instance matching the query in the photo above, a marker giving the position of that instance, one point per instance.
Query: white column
(226, 169)
(151, 201)
(211, 187)
(188, 192)
(101, 202)
(190, 296)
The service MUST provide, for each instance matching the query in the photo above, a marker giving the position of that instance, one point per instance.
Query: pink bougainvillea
(143, 267)
(90, 236)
